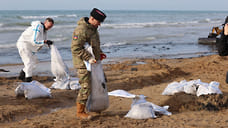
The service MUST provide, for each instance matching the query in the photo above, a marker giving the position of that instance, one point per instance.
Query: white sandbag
(32, 90)
(195, 87)
(61, 84)
(212, 88)
(142, 99)
(142, 109)
(162, 110)
(173, 88)
(71, 84)
(98, 99)
(121, 93)
(191, 86)
(61, 72)
(58, 68)
(74, 83)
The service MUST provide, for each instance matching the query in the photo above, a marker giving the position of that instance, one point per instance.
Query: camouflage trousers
(85, 83)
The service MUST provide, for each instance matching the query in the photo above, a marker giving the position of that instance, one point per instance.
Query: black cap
(98, 14)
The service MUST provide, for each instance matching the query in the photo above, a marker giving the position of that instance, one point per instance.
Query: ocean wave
(158, 24)
(7, 45)
(60, 39)
(43, 17)
(110, 44)
(9, 29)
(132, 25)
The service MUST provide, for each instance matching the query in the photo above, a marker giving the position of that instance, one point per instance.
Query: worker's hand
(48, 42)
(92, 61)
(226, 29)
(102, 56)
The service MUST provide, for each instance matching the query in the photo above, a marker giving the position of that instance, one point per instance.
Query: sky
(218, 5)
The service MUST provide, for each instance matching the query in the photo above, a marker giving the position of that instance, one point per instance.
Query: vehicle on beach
(212, 37)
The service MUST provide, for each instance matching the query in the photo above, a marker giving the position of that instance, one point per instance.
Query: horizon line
(103, 9)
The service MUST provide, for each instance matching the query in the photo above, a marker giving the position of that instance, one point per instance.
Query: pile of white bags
(32, 90)
(98, 99)
(140, 108)
(194, 87)
(60, 71)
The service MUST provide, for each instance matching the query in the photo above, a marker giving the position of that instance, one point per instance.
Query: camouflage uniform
(83, 33)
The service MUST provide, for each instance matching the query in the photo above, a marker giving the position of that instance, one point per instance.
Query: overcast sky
(114, 4)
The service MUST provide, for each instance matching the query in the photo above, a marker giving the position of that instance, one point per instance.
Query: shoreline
(15, 68)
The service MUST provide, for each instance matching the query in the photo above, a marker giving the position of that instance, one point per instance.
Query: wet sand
(138, 76)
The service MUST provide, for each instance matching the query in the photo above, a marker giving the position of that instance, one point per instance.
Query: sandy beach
(138, 76)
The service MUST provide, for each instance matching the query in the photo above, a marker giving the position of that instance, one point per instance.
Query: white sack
(194, 87)
(98, 99)
(121, 93)
(142, 109)
(32, 90)
(212, 88)
(58, 68)
(61, 72)
(173, 88)
(191, 86)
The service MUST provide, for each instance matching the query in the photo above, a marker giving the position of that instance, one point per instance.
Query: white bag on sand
(194, 87)
(60, 71)
(121, 93)
(58, 68)
(173, 88)
(98, 99)
(32, 90)
(71, 84)
(212, 88)
(191, 86)
(142, 109)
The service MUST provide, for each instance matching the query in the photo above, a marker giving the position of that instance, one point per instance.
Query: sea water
(124, 34)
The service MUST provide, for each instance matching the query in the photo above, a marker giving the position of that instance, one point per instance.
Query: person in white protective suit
(30, 42)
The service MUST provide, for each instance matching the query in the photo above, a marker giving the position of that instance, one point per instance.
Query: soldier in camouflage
(86, 31)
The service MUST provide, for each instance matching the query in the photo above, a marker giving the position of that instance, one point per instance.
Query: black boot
(22, 75)
(28, 79)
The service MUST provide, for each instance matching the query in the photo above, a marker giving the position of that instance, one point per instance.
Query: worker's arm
(38, 35)
(77, 45)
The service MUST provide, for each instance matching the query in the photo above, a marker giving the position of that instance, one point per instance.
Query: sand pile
(181, 102)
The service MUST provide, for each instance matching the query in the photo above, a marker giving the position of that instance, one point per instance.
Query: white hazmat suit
(30, 42)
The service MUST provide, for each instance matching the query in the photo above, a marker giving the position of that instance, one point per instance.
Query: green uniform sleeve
(77, 46)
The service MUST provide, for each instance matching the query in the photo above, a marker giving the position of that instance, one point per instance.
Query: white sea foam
(132, 25)
(8, 29)
(7, 45)
(59, 39)
(150, 38)
(72, 15)
(110, 44)
(52, 16)
(158, 24)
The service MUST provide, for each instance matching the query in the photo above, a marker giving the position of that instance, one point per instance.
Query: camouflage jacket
(83, 33)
